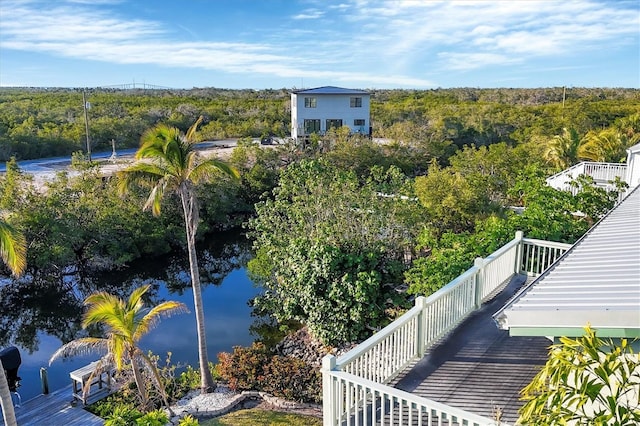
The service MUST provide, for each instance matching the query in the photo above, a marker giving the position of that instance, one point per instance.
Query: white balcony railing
(602, 173)
(354, 385)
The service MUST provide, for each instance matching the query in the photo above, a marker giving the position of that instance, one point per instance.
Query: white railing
(364, 402)
(605, 172)
(354, 384)
(602, 173)
(561, 179)
(538, 255)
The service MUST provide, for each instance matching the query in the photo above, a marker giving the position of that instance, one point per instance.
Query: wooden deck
(55, 409)
(479, 368)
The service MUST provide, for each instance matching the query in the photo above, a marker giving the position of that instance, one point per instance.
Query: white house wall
(329, 107)
(633, 166)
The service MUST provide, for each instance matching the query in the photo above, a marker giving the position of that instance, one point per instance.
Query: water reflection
(42, 305)
(41, 315)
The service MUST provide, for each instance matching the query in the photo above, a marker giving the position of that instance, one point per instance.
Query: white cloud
(309, 14)
(491, 29)
(395, 42)
(470, 60)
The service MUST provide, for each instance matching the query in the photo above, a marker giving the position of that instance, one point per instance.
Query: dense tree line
(48, 122)
(40, 123)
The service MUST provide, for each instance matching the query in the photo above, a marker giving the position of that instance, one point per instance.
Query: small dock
(59, 408)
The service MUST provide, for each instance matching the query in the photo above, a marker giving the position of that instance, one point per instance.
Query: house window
(358, 122)
(333, 123)
(310, 102)
(356, 102)
(311, 126)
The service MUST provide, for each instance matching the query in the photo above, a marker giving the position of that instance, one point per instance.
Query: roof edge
(330, 90)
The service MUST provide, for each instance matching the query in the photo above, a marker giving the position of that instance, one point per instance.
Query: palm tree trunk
(6, 402)
(137, 376)
(156, 376)
(191, 225)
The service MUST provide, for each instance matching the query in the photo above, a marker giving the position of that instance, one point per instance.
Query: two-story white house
(320, 109)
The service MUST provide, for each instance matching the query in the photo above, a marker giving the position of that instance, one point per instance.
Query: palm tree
(562, 150)
(609, 145)
(170, 163)
(126, 323)
(13, 254)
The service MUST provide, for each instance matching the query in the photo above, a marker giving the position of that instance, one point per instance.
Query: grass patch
(258, 417)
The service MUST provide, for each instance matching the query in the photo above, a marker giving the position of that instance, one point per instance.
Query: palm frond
(135, 298)
(154, 201)
(154, 142)
(12, 248)
(118, 349)
(101, 307)
(83, 346)
(190, 136)
(141, 173)
(205, 169)
(152, 318)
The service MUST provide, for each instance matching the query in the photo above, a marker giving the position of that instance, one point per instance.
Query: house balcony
(445, 362)
(603, 174)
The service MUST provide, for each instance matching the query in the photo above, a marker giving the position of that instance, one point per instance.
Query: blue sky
(260, 44)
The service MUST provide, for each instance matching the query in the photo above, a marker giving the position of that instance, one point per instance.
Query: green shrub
(121, 400)
(293, 379)
(243, 369)
(153, 418)
(188, 420)
(122, 415)
(254, 368)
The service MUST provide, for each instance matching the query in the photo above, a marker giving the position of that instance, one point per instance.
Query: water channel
(38, 317)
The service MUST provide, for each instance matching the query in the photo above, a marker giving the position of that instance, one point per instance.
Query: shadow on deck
(55, 409)
(478, 367)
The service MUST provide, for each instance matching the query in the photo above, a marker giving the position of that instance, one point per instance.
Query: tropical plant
(153, 418)
(13, 254)
(168, 162)
(188, 420)
(12, 248)
(126, 322)
(562, 150)
(609, 145)
(122, 415)
(586, 381)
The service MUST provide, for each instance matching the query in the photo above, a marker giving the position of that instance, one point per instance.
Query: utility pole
(86, 123)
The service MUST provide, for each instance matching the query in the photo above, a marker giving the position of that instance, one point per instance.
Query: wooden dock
(55, 409)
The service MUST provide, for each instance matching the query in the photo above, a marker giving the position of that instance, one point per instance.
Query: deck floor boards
(479, 368)
(54, 409)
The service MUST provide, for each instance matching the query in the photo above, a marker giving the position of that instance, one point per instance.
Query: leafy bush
(176, 387)
(124, 399)
(188, 420)
(293, 379)
(153, 418)
(244, 368)
(254, 368)
(586, 381)
(330, 250)
(122, 415)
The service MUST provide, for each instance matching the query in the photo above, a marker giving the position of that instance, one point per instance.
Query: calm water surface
(38, 317)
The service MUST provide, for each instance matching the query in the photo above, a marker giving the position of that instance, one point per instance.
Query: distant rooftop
(597, 282)
(330, 90)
